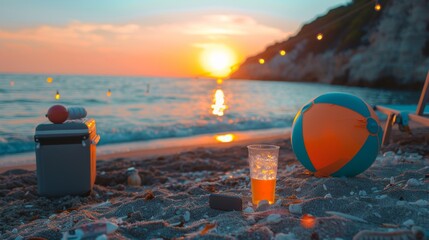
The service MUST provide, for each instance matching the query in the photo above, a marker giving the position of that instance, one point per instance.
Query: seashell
(134, 177)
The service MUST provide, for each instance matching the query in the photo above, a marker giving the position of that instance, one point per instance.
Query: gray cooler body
(66, 157)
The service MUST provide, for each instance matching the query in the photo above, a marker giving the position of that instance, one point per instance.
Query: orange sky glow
(163, 38)
(173, 49)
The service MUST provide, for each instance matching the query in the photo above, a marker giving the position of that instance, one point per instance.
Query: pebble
(362, 193)
(262, 206)
(420, 203)
(352, 193)
(298, 189)
(381, 197)
(28, 206)
(295, 208)
(251, 220)
(392, 180)
(324, 187)
(401, 203)
(14, 231)
(408, 223)
(102, 237)
(282, 236)
(187, 216)
(278, 203)
(248, 210)
(274, 218)
(328, 195)
(19, 237)
(388, 154)
(413, 156)
(290, 168)
(374, 189)
(412, 182)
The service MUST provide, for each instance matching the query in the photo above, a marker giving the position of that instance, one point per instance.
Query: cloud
(85, 34)
(144, 45)
(76, 33)
(229, 25)
(219, 26)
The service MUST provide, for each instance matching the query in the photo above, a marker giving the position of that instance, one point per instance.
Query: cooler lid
(70, 128)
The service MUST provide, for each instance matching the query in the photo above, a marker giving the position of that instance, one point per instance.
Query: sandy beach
(139, 120)
(172, 202)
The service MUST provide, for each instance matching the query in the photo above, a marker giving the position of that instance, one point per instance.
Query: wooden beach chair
(400, 114)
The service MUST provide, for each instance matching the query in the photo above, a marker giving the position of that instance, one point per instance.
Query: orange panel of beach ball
(336, 134)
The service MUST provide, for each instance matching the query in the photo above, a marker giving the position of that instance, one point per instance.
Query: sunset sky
(136, 37)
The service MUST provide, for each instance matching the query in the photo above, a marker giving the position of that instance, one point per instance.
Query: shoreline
(158, 147)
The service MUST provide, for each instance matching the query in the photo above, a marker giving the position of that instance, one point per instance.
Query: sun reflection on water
(219, 103)
(225, 138)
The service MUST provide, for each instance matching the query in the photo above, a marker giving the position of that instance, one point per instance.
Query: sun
(217, 60)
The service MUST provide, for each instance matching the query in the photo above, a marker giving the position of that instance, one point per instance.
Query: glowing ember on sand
(308, 221)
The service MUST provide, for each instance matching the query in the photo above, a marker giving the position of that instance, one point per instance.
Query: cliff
(360, 47)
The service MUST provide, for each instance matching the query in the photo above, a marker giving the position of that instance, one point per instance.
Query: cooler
(66, 157)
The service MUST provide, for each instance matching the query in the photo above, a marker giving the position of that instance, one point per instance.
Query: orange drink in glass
(263, 161)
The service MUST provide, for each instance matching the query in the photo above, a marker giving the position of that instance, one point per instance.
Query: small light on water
(261, 61)
(219, 81)
(108, 93)
(49, 80)
(319, 36)
(57, 96)
(282, 52)
(225, 138)
(377, 7)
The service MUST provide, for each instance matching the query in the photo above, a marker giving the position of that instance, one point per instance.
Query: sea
(132, 109)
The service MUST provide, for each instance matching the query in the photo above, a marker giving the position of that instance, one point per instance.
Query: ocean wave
(19, 101)
(117, 135)
(94, 100)
(16, 147)
(135, 133)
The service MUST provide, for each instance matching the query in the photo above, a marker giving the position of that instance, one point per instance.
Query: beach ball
(57, 114)
(336, 134)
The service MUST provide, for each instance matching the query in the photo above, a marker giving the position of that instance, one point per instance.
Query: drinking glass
(263, 161)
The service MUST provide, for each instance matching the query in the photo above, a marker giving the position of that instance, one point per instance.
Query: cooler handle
(95, 140)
